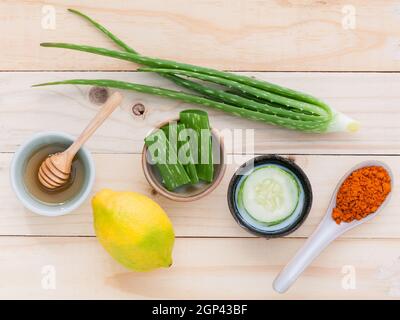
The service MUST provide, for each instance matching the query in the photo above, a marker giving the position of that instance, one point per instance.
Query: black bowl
(259, 228)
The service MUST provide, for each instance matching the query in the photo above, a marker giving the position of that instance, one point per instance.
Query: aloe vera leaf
(172, 132)
(339, 121)
(198, 121)
(162, 63)
(163, 154)
(263, 84)
(127, 48)
(190, 98)
(108, 33)
(257, 93)
(246, 102)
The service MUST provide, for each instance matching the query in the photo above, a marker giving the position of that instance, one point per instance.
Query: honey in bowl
(57, 196)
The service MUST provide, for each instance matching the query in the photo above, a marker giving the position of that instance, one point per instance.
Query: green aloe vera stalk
(198, 121)
(164, 157)
(109, 34)
(174, 133)
(247, 103)
(271, 118)
(280, 103)
(231, 84)
(285, 102)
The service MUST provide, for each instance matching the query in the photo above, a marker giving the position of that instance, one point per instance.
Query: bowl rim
(293, 167)
(176, 196)
(51, 211)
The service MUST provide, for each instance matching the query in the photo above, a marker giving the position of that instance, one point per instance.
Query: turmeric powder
(361, 194)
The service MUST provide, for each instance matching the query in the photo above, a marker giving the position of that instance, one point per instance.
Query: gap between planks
(261, 154)
(200, 237)
(225, 70)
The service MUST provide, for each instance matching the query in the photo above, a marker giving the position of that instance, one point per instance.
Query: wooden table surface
(347, 53)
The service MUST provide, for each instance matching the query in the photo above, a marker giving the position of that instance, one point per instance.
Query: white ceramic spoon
(327, 231)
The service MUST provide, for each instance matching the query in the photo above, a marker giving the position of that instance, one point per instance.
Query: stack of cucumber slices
(269, 194)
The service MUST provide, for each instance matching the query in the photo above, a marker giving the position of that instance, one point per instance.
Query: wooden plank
(212, 251)
(244, 268)
(370, 98)
(208, 217)
(240, 35)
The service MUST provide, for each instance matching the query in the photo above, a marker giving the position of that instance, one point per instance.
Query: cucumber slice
(270, 194)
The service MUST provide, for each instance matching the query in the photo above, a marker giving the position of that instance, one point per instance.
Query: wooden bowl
(189, 192)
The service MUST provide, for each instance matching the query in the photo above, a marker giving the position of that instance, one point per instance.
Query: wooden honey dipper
(55, 171)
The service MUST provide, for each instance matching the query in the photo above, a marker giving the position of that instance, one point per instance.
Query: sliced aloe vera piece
(172, 132)
(198, 121)
(270, 194)
(164, 157)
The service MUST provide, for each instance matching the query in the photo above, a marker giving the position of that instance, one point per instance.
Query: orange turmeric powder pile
(361, 194)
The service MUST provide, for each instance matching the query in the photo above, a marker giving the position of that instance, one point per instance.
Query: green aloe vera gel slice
(198, 121)
(174, 133)
(164, 156)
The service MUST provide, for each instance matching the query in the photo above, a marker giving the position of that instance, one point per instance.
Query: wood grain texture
(282, 35)
(208, 217)
(213, 257)
(373, 99)
(202, 269)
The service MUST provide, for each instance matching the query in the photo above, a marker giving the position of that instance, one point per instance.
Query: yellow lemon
(133, 229)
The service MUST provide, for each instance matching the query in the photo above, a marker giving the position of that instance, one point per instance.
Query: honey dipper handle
(108, 107)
